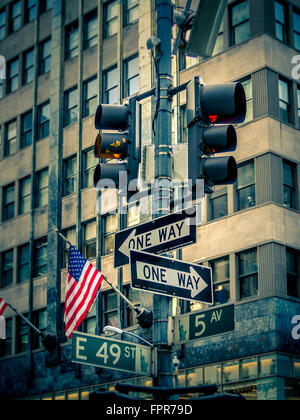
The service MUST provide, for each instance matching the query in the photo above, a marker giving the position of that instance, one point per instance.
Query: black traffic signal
(121, 143)
(51, 344)
(208, 105)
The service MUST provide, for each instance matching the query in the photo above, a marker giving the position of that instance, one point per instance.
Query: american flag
(3, 306)
(83, 283)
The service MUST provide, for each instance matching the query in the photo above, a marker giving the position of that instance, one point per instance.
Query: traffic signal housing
(121, 143)
(208, 106)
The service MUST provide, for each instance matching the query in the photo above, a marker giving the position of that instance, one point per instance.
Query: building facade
(63, 58)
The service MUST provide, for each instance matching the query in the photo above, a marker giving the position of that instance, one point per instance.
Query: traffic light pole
(163, 177)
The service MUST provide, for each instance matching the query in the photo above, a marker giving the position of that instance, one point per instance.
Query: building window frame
(3, 15)
(289, 185)
(285, 100)
(89, 165)
(237, 25)
(90, 239)
(131, 76)
(8, 199)
(221, 284)
(13, 75)
(24, 195)
(23, 264)
(296, 28)
(45, 56)
(90, 96)
(248, 274)
(110, 19)
(42, 187)
(110, 308)
(217, 196)
(247, 186)
(26, 129)
(7, 268)
(30, 11)
(110, 227)
(40, 258)
(131, 12)
(71, 106)
(43, 120)
(292, 272)
(11, 138)
(71, 40)
(90, 29)
(111, 87)
(69, 175)
(15, 16)
(280, 21)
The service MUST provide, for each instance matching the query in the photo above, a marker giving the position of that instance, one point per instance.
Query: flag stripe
(3, 306)
(83, 283)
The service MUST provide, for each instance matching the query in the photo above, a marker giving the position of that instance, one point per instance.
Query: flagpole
(104, 278)
(25, 319)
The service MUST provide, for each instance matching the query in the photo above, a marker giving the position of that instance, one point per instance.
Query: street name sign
(199, 325)
(161, 235)
(171, 277)
(111, 354)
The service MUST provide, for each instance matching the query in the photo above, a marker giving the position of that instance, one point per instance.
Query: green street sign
(199, 325)
(111, 354)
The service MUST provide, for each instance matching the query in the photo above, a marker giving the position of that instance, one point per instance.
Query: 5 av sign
(199, 325)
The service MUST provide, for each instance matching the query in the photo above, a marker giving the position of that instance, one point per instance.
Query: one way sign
(171, 277)
(161, 235)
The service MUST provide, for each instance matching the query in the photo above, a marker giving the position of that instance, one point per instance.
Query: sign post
(113, 354)
(171, 277)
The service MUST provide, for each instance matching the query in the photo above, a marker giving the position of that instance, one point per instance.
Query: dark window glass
(292, 269)
(89, 165)
(135, 298)
(6, 345)
(23, 263)
(218, 207)
(22, 334)
(26, 129)
(289, 185)
(110, 306)
(70, 175)
(296, 22)
(248, 273)
(2, 24)
(40, 257)
(90, 92)
(280, 22)
(90, 30)
(45, 5)
(25, 195)
(7, 269)
(240, 29)
(131, 11)
(10, 146)
(89, 322)
(13, 76)
(246, 186)
(42, 188)
(220, 42)
(70, 234)
(71, 107)
(131, 83)
(43, 120)
(1, 88)
(284, 101)
(221, 280)
(8, 202)
(110, 228)
(15, 16)
(89, 241)
(45, 57)
(40, 321)
(30, 10)
(111, 26)
(28, 67)
(72, 40)
(248, 87)
(111, 86)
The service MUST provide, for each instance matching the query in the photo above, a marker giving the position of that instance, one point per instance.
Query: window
(13, 76)
(45, 5)
(26, 129)
(8, 202)
(296, 22)
(221, 280)
(90, 30)
(89, 240)
(43, 117)
(111, 86)
(246, 186)
(89, 322)
(131, 11)
(10, 146)
(110, 306)
(218, 205)
(292, 272)
(28, 66)
(42, 188)
(90, 91)
(231, 371)
(40, 321)
(2, 24)
(22, 334)
(15, 16)
(247, 84)
(30, 10)
(110, 24)
(40, 257)
(72, 40)
(110, 228)
(248, 273)
(6, 345)
(45, 57)
(71, 107)
(280, 22)
(284, 100)
(134, 215)
(23, 263)
(134, 297)
(70, 234)
(131, 76)
(298, 105)
(7, 268)
(89, 165)
(240, 23)
(1, 88)
(289, 185)
(70, 174)
(249, 368)
(220, 42)
(183, 125)
(25, 195)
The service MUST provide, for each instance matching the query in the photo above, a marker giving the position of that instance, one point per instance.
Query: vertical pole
(163, 177)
